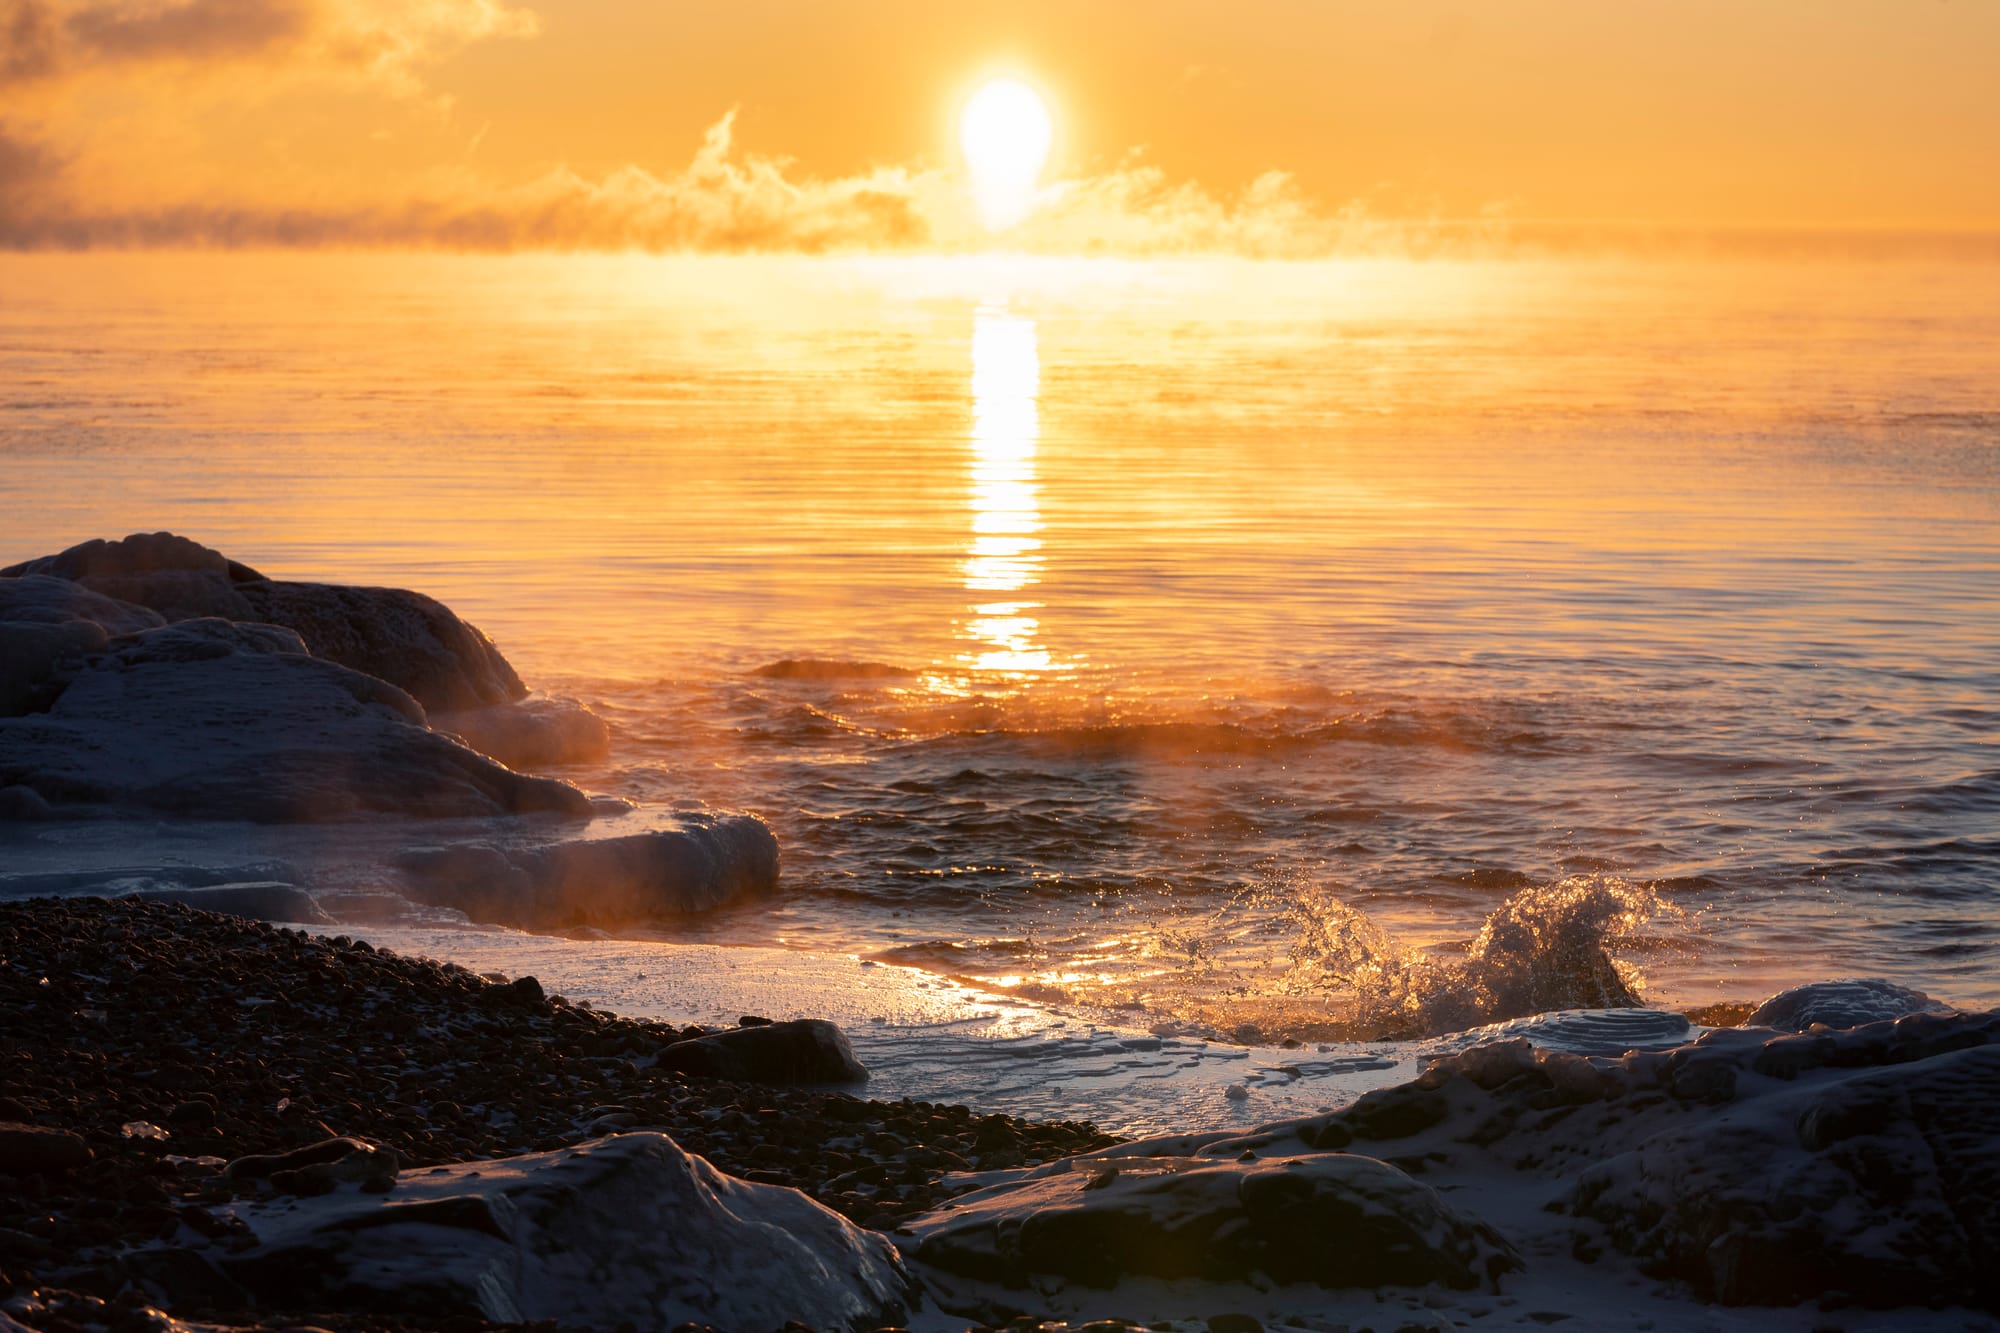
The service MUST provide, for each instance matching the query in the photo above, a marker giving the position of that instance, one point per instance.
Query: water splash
(1301, 961)
(1546, 948)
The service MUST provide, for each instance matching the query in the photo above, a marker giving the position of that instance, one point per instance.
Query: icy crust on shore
(1856, 1168)
(628, 1229)
(625, 870)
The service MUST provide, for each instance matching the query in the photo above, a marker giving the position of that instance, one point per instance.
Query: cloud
(727, 200)
(723, 200)
(59, 41)
(108, 102)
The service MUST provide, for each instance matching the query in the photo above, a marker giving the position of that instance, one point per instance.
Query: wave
(828, 668)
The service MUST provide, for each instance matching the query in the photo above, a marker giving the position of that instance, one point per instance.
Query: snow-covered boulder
(412, 641)
(41, 599)
(48, 628)
(628, 1230)
(223, 721)
(1329, 1218)
(703, 861)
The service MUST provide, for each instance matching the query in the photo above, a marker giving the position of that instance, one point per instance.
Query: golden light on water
(1006, 551)
(1005, 131)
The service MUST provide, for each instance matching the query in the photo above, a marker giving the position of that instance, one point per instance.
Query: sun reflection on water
(1006, 552)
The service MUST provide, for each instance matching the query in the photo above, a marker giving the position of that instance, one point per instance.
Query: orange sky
(495, 123)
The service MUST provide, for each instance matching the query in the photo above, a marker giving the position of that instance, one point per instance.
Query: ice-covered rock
(136, 556)
(628, 1230)
(412, 641)
(206, 638)
(1330, 1218)
(1867, 1169)
(38, 661)
(806, 1050)
(216, 720)
(702, 862)
(1841, 1004)
(266, 900)
(43, 599)
(48, 629)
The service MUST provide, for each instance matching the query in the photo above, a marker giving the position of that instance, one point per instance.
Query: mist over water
(1372, 647)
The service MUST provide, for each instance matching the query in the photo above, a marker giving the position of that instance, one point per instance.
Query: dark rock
(1395, 1113)
(181, 1279)
(24, 803)
(191, 1116)
(37, 662)
(345, 1159)
(1331, 1219)
(807, 1050)
(1234, 1323)
(27, 1150)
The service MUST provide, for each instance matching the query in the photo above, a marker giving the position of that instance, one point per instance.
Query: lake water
(1205, 636)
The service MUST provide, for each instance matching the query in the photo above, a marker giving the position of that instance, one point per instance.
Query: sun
(1005, 132)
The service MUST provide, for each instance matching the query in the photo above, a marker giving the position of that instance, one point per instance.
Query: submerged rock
(625, 1230)
(1332, 1219)
(808, 1050)
(607, 883)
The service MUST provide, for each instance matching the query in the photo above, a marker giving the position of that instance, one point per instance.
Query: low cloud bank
(728, 200)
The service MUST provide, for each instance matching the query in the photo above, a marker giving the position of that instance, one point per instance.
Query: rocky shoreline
(166, 1042)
